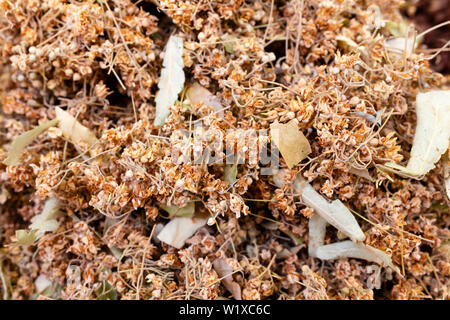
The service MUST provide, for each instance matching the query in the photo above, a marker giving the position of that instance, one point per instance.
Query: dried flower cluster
(346, 71)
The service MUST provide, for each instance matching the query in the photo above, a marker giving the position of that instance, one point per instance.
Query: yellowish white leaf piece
(292, 143)
(432, 131)
(317, 227)
(349, 249)
(75, 132)
(22, 141)
(432, 135)
(179, 229)
(40, 224)
(225, 271)
(172, 79)
(334, 212)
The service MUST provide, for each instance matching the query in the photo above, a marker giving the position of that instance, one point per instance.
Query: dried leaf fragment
(172, 79)
(292, 143)
(42, 223)
(230, 173)
(349, 249)
(75, 132)
(317, 228)
(196, 93)
(397, 28)
(225, 271)
(179, 229)
(446, 165)
(186, 211)
(401, 45)
(21, 142)
(432, 135)
(335, 212)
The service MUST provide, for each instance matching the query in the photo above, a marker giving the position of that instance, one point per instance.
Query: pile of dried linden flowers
(226, 149)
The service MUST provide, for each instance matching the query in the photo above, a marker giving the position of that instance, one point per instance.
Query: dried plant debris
(223, 150)
(225, 272)
(74, 131)
(317, 227)
(446, 165)
(179, 229)
(349, 249)
(172, 79)
(432, 135)
(40, 224)
(196, 93)
(21, 142)
(334, 212)
(186, 211)
(292, 143)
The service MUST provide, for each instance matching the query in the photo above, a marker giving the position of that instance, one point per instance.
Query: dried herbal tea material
(349, 249)
(397, 28)
(292, 143)
(230, 172)
(196, 93)
(402, 45)
(334, 212)
(225, 271)
(179, 229)
(172, 79)
(174, 211)
(79, 135)
(432, 135)
(446, 166)
(21, 142)
(317, 227)
(42, 283)
(40, 224)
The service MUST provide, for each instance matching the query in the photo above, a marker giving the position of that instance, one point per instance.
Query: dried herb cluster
(83, 202)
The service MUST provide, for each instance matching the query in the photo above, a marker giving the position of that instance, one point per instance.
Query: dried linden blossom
(172, 79)
(432, 135)
(22, 141)
(292, 143)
